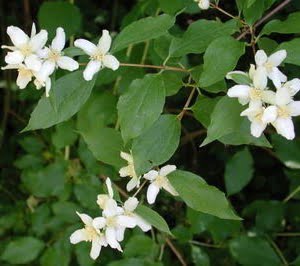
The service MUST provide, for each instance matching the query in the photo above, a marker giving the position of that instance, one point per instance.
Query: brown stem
(187, 104)
(176, 252)
(266, 17)
(226, 13)
(155, 67)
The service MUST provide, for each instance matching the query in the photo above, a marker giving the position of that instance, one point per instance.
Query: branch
(176, 252)
(155, 67)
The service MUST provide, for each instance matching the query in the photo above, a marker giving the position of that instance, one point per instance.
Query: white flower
(254, 93)
(280, 115)
(129, 170)
(203, 4)
(25, 74)
(25, 47)
(129, 206)
(53, 55)
(159, 180)
(103, 199)
(90, 234)
(114, 223)
(99, 56)
(270, 65)
(255, 113)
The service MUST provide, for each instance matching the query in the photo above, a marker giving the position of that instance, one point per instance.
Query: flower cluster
(34, 61)
(203, 4)
(109, 229)
(158, 179)
(266, 106)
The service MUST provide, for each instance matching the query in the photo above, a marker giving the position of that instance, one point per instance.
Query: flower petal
(260, 78)
(78, 236)
(283, 96)
(104, 42)
(59, 41)
(67, 63)
(277, 58)
(17, 36)
(204, 4)
(126, 156)
(257, 128)
(111, 238)
(285, 127)
(96, 248)
(151, 175)
(111, 208)
(91, 69)
(268, 96)
(87, 220)
(48, 86)
(294, 108)
(260, 57)
(124, 171)
(239, 91)
(130, 204)
(33, 30)
(270, 114)
(109, 187)
(152, 193)
(126, 221)
(133, 182)
(168, 187)
(277, 77)
(141, 223)
(293, 86)
(120, 233)
(14, 58)
(38, 41)
(85, 45)
(33, 62)
(167, 169)
(111, 62)
(99, 222)
(23, 80)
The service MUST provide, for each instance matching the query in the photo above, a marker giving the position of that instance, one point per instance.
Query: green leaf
(199, 35)
(288, 26)
(67, 95)
(86, 194)
(65, 210)
(253, 251)
(143, 30)
(239, 77)
(172, 82)
(140, 106)
(22, 250)
(267, 44)
(105, 144)
(82, 251)
(52, 15)
(172, 7)
(141, 246)
(293, 51)
(153, 218)
(220, 57)
(229, 127)
(64, 135)
(238, 171)
(287, 151)
(157, 144)
(200, 196)
(49, 181)
(200, 258)
(203, 109)
(100, 107)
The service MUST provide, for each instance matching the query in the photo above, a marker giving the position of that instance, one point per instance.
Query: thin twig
(278, 251)
(187, 104)
(226, 13)
(176, 252)
(292, 194)
(190, 136)
(297, 234)
(140, 188)
(265, 18)
(202, 244)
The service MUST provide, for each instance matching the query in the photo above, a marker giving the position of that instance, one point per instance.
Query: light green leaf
(200, 196)
(239, 78)
(105, 144)
(293, 51)
(172, 7)
(253, 251)
(229, 127)
(64, 134)
(157, 144)
(200, 258)
(143, 30)
(220, 57)
(199, 35)
(141, 246)
(153, 218)
(140, 106)
(59, 14)
(67, 96)
(288, 26)
(22, 250)
(238, 171)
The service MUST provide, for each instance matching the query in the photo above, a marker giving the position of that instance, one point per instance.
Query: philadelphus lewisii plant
(265, 105)
(203, 4)
(33, 60)
(99, 56)
(109, 229)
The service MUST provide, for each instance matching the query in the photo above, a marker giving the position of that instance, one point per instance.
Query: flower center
(160, 180)
(283, 112)
(26, 50)
(25, 72)
(54, 55)
(90, 233)
(111, 222)
(255, 94)
(269, 66)
(98, 56)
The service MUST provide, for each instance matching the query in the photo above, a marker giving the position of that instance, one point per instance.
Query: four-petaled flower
(159, 180)
(203, 4)
(99, 56)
